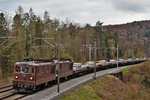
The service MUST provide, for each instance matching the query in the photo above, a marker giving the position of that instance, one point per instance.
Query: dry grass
(105, 88)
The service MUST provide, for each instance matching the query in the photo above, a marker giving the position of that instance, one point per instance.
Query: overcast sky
(85, 11)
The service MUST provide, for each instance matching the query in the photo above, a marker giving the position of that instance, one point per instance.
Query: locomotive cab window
(25, 70)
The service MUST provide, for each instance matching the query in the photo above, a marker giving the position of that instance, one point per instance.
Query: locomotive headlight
(16, 77)
(31, 78)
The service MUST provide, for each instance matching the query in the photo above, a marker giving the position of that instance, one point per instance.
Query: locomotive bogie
(25, 88)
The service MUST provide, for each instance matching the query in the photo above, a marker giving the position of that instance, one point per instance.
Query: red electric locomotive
(29, 75)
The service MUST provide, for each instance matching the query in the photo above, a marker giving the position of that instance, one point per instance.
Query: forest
(28, 35)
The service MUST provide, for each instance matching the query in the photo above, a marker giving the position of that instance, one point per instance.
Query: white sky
(85, 11)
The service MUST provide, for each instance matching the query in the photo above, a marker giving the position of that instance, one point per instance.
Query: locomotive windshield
(25, 70)
(22, 69)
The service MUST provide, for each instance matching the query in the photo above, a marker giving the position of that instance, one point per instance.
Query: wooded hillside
(136, 33)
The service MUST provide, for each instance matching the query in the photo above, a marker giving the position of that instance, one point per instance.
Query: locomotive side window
(53, 69)
(47, 68)
(17, 68)
(42, 68)
(71, 66)
(37, 69)
(61, 65)
(32, 70)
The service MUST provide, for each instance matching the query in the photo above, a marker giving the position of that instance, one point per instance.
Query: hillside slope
(136, 86)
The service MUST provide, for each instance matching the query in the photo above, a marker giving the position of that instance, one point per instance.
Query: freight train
(32, 74)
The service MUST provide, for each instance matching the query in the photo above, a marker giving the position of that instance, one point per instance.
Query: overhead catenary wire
(11, 15)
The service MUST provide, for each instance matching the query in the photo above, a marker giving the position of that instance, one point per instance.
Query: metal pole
(58, 90)
(148, 46)
(95, 60)
(133, 57)
(90, 49)
(117, 56)
(30, 45)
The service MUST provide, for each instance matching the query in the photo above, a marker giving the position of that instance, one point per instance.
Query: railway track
(8, 93)
(14, 97)
(6, 88)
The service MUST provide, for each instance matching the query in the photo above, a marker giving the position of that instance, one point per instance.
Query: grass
(82, 93)
(126, 70)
